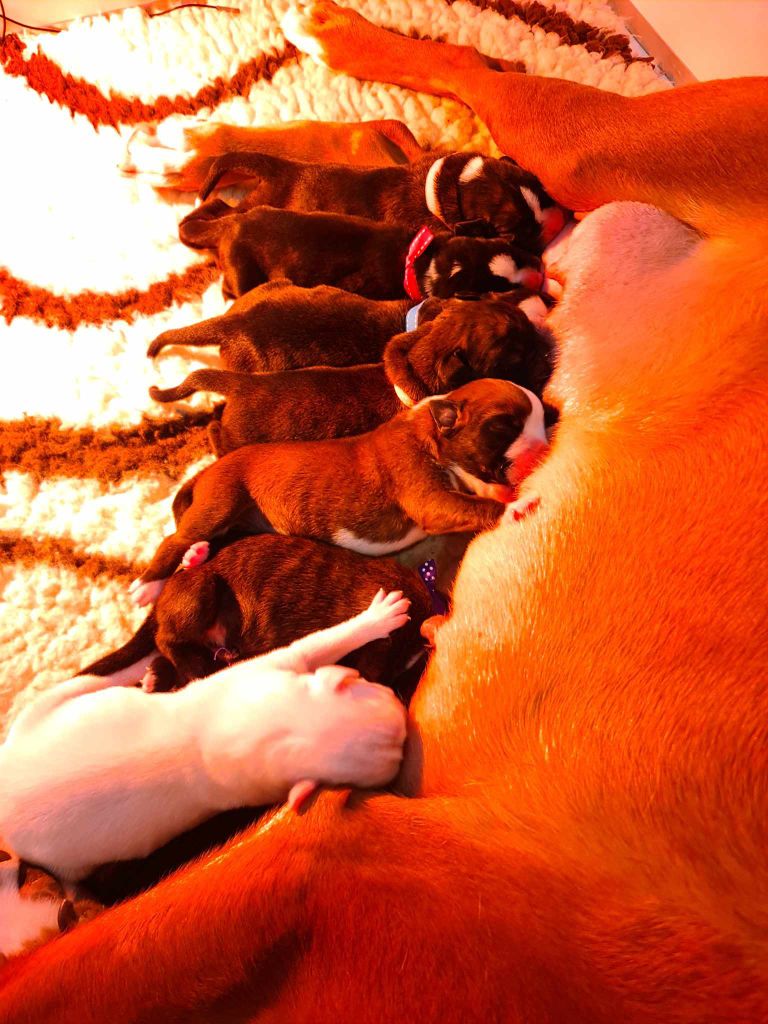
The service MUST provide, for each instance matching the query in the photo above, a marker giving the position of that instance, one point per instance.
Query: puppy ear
(397, 365)
(445, 413)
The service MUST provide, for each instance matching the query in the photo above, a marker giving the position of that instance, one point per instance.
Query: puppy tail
(207, 332)
(223, 382)
(138, 648)
(203, 227)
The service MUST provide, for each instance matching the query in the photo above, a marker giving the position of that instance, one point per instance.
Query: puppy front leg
(442, 511)
(385, 614)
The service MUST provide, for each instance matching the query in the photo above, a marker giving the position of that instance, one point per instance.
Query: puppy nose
(532, 279)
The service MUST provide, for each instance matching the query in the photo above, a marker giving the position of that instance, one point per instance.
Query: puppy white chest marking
(347, 539)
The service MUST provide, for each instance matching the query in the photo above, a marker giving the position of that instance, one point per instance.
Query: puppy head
(470, 187)
(489, 430)
(344, 730)
(455, 265)
(457, 342)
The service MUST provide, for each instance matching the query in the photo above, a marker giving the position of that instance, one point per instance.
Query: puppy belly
(347, 539)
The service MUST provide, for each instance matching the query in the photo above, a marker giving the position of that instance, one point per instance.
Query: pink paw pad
(195, 555)
(145, 593)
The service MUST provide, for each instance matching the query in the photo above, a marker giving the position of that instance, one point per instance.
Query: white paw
(385, 614)
(159, 151)
(195, 554)
(146, 593)
(296, 29)
(149, 681)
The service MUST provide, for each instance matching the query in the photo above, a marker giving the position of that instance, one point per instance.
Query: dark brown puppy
(456, 342)
(279, 326)
(437, 190)
(353, 253)
(264, 592)
(376, 493)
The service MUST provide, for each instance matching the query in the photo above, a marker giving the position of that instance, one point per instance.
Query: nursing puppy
(376, 493)
(73, 798)
(264, 592)
(353, 253)
(437, 190)
(455, 342)
(280, 326)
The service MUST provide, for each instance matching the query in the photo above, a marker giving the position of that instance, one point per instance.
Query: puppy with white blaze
(96, 770)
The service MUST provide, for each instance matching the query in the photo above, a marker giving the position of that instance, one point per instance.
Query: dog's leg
(587, 146)
(386, 613)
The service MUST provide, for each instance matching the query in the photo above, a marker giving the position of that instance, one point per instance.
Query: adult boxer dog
(354, 253)
(455, 342)
(438, 190)
(260, 593)
(266, 729)
(376, 493)
(587, 842)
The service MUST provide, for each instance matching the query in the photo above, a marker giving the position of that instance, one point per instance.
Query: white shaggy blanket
(82, 505)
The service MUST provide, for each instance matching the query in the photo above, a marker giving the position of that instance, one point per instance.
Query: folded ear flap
(445, 413)
(397, 366)
(479, 228)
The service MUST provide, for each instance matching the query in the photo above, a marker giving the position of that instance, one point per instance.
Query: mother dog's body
(590, 756)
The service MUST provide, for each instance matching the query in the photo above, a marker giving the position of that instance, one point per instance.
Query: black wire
(12, 21)
(210, 7)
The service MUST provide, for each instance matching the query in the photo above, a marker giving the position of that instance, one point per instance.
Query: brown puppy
(455, 343)
(279, 326)
(376, 493)
(351, 252)
(261, 593)
(449, 190)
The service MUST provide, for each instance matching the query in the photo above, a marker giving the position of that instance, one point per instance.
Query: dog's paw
(385, 614)
(521, 508)
(195, 554)
(149, 681)
(330, 34)
(162, 152)
(145, 593)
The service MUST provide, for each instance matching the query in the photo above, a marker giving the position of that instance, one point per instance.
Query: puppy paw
(145, 593)
(149, 681)
(161, 153)
(195, 555)
(330, 34)
(519, 509)
(385, 614)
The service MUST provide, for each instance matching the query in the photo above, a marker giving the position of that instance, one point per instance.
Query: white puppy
(93, 772)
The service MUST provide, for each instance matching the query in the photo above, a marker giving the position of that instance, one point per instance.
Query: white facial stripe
(533, 428)
(503, 265)
(405, 399)
(472, 169)
(430, 187)
(455, 268)
(533, 202)
(534, 309)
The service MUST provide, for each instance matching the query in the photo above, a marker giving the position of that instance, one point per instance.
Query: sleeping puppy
(455, 342)
(263, 592)
(279, 326)
(375, 260)
(451, 190)
(265, 729)
(375, 493)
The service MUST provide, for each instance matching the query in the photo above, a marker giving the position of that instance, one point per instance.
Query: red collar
(419, 244)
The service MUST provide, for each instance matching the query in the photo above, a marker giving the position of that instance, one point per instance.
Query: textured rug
(91, 270)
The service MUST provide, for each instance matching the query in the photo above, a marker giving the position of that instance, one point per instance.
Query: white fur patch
(404, 398)
(533, 202)
(503, 265)
(430, 188)
(347, 539)
(429, 277)
(472, 169)
(295, 30)
(455, 268)
(23, 921)
(533, 428)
